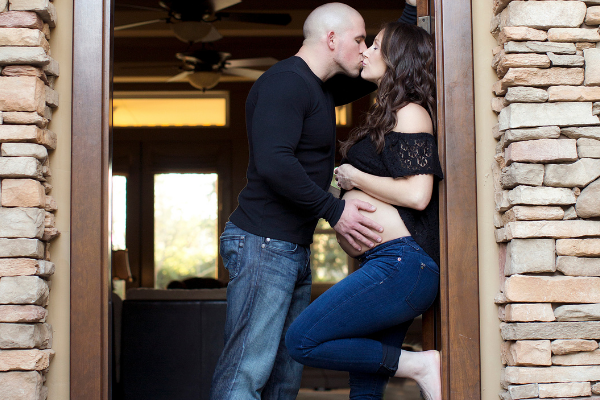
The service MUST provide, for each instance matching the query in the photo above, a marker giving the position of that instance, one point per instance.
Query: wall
(548, 196)
(35, 175)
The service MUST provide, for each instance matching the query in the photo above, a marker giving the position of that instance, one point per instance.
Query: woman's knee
(293, 342)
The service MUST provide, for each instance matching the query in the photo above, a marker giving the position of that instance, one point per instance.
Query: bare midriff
(386, 215)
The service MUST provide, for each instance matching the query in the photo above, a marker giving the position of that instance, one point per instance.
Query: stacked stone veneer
(547, 182)
(27, 74)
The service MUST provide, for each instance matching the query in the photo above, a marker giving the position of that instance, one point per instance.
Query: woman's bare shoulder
(413, 118)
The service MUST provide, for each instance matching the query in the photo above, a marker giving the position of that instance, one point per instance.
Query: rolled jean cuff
(389, 364)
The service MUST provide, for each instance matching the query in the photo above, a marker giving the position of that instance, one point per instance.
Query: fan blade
(248, 73)
(182, 77)
(135, 25)
(138, 7)
(251, 62)
(261, 18)
(212, 36)
(221, 4)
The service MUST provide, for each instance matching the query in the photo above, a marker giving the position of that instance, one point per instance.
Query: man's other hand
(355, 227)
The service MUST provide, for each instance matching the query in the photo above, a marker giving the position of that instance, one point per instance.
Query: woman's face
(373, 65)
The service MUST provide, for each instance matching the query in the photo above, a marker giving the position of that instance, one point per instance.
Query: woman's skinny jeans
(360, 323)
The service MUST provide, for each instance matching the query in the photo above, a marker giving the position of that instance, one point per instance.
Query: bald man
(290, 120)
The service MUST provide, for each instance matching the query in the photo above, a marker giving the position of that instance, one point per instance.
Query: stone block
(52, 68)
(525, 115)
(521, 33)
(550, 330)
(573, 93)
(20, 167)
(22, 93)
(27, 133)
(543, 76)
(25, 266)
(540, 196)
(559, 60)
(24, 150)
(23, 193)
(578, 174)
(23, 290)
(23, 37)
(24, 118)
(588, 202)
(552, 289)
(50, 204)
(578, 247)
(516, 61)
(590, 132)
(551, 229)
(21, 248)
(578, 312)
(592, 16)
(524, 375)
(578, 266)
(18, 385)
(25, 360)
(523, 391)
(25, 336)
(530, 352)
(520, 94)
(21, 222)
(543, 15)
(573, 35)
(522, 174)
(541, 151)
(22, 314)
(50, 234)
(18, 19)
(529, 256)
(581, 358)
(596, 108)
(532, 213)
(568, 346)
(51, 97)
(25, 70)
(15, 55)
(519, 312)
(571, 389)
(543, 132)
(589, 148)
(592, 67)
(44, 8)
(570, 213)
(540, 47)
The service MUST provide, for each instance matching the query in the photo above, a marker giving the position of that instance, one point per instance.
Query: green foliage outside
(328, 261)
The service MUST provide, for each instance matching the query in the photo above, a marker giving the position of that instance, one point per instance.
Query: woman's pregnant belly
(385, 215)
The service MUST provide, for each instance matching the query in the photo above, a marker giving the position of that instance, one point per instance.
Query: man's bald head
(330, 17)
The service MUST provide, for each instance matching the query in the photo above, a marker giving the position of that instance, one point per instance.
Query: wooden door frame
(91, 171)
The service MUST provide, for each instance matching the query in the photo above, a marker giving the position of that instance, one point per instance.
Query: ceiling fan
(191, 21)
(203, 68)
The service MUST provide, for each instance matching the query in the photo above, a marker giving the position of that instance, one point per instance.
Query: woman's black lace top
(406, 154)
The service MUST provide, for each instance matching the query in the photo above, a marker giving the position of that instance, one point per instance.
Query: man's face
(350, 46)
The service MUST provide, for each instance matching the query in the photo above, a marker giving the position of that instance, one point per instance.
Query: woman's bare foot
(424, 368)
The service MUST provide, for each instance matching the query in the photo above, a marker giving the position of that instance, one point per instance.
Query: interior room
(179, 155)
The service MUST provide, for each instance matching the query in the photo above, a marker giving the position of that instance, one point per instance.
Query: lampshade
(204, 79)
(190, 31)
(120, 265)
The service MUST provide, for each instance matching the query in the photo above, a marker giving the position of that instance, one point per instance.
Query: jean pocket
(424, 291)
(231, 247)
(281, 246)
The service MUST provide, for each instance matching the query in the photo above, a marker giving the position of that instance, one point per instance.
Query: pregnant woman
(391, 161)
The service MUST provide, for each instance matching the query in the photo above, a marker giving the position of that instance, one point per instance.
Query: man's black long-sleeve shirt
(290, 119)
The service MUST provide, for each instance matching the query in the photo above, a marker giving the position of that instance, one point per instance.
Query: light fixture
(190, 31)
(204, 79)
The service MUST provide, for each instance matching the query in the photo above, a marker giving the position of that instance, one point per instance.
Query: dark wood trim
(459, 285)
(90, 258)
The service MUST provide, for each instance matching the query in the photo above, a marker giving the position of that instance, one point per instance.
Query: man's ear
(331, 40)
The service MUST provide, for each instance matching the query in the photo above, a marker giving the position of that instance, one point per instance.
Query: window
(136, 109)
(185, 226)
(343, 114)
(119, 212)
(328, 261)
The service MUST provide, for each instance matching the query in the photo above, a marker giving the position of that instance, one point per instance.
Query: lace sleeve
(408, 154)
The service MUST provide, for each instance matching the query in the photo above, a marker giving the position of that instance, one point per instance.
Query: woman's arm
(412, 191)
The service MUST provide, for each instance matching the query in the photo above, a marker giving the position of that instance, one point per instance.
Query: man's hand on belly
(355, 227)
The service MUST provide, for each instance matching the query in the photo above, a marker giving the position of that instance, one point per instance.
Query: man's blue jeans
(269, 287)
(360, 323)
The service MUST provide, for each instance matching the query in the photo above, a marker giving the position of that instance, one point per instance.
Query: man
(290, 118)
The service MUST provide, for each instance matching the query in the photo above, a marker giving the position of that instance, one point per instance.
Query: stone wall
(547, 184)
(27, 98)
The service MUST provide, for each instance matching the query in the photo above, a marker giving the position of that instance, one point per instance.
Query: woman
(391, 162)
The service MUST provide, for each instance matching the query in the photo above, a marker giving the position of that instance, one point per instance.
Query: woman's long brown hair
(409, 54)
